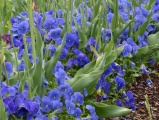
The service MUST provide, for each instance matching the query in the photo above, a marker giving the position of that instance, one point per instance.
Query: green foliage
(3, 114)
(108, 111)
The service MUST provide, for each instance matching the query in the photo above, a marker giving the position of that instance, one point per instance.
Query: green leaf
(153, 39)
(87, 81)
(109, 111)
(117, 32)
(38, 76)
(144, 53)
(115, 17)
(86, 69)
(149, 5)
(3, 114)
(83, 37)
(52, 62)
(52, 114)
(96, 8)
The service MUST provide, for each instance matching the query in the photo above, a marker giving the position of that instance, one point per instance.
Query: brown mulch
(140, 89)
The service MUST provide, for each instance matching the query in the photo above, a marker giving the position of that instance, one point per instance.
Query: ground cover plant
(73, 59)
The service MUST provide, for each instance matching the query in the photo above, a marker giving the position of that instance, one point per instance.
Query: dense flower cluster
(60, 97)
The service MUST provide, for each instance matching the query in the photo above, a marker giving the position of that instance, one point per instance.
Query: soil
(140, 89)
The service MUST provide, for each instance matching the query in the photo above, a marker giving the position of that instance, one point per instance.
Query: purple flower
(23, 27)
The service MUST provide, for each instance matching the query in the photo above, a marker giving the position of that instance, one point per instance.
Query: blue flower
(58, 66)
(127, 49)
(129, 98)
(41, 117)
(91, 42)
(155, 17)
(109, 17)
(70, 107)
(85, 92)
(45, 83)
(63, 53)
(69, 63)
(70, 39)
(119, 103)
(46, 104)
(81, 60)
(78, 98)
(65, 89)
(8, 91)
(144, 70)
(21, 66)
(54, 94)
(133, 45)
(57, 106)
(9, 68)
(77, 113)
(23, 27)
(120, 82)
(92, 112)
(60, 76)
(152, 61)
(52, 49)
(55, 33)
(50, 23)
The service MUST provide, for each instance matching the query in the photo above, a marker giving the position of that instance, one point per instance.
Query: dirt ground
(140, 89)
